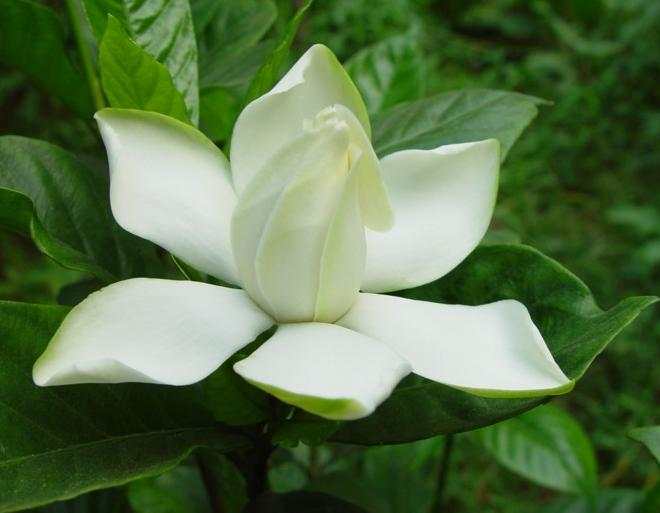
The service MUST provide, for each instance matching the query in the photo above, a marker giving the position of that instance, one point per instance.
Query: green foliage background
(581, 186)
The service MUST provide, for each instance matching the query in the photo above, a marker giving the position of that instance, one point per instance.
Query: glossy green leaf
(59, 442)
(112, 500)
(299, 502)
(164, 28)
(650, 437)
(49, 194)
(574, 327)
(133, 79)
(32, 39)
(454, 117)
(547, 446)
(268, 73)
(388, 73)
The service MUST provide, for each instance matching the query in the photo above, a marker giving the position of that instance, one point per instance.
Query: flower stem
(76, 16)
(443, 472)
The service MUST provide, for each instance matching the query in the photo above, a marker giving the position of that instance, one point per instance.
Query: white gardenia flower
(305, 217)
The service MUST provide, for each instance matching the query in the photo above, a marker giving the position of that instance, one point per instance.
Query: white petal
(316, 81)
(297, 228)
(325, 369)
(443, 201)
(494, 350)
(171, 185)
(151, 331)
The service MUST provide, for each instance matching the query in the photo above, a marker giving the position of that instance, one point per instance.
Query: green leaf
(112, 500)
(180, 490)
(236, 24)
(49, 194)
(305, 428)
(382, 478)
(455, 117)
(604, 501)
(32, 40)
(299, 502)
(97, 13)
(59, 442)
(133, 79)
(574, 327)
(230, 398)
(164, 28)
(547, 446)
(388, 73)
(650, 437)
(218, 111)
(269, 72)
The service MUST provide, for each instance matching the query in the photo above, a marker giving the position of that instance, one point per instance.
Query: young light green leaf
(32, 40)
(133, 79)
(164, 28)
(60, 442)
(268, 74)
(388, 73)
(49, 194)
(650, 437)
(455, 117)
(547, 446)
(575, 329)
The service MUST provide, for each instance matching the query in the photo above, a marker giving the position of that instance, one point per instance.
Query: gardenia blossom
(311, 227)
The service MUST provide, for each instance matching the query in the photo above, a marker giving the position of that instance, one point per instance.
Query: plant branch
(443, 472)
(76, 16)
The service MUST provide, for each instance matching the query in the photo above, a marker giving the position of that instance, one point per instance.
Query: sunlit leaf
(133, 79)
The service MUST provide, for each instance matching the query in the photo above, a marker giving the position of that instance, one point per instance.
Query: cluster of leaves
(200, 61)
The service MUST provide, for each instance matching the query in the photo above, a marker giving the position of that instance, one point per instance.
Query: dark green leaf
(74, 293)
(180, 490)
(59, 442)
(308, 429)
(231, 399)
(269, 72)
(133, 79)
(650, 437)
(547, 446)
(604, 501)
(47, 193)
(574, 327)
(454, 117)
(97, 12)
(164, 28)
(234, 68)
(300, 502)
(32, 40)
(218, 110)
(390, 479)
(237, 24)
(388, 73)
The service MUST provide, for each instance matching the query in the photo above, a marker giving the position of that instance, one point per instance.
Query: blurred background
(582, 185)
